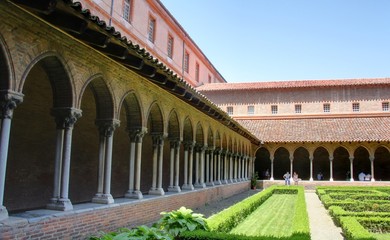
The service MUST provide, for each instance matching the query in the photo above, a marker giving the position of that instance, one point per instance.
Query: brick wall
(79, 224)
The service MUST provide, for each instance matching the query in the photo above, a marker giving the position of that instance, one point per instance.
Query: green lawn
(272, 218)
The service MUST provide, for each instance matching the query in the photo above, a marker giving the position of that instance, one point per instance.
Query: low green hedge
(227, 219)
(353, 230)
(222, 222)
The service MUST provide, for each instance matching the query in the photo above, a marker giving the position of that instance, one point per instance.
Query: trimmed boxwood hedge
(360, 211)
(224, 221)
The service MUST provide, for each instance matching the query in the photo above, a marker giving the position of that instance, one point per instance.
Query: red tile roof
(320, 130)
(293, 84)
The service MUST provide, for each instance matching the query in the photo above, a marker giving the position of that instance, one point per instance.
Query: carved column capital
(189, 145)
(66, 117)
(107, 126)
(174, 142)
(136, 135)
(8, 102)
(158, 139)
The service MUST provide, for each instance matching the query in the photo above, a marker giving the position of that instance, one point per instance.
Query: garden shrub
(176, 222)
(139, 233)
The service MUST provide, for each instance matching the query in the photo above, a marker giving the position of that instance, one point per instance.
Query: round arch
(341, 164)
(262, 162)
(321, 164)
(382, 164)
(281, 162)
(301, 163)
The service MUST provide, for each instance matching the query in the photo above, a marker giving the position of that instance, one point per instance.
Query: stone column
(199, 173)
(174, 172)
(291, 165)
(136, 137)
(231, 168)
(211, 153)
(209, 167)
(225, 168)
(311, 167)
(218, 167)
(246, 167)
(197, 150)
(372, 168)
(239, 163)
(65, 119)
(106, 130)
(331, 168)
(8, 102)
(351, 167)
(188, 155)
(272, 168)
(158, 147)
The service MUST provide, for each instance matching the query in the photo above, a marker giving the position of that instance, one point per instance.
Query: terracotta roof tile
(292, 84)
(320, 130)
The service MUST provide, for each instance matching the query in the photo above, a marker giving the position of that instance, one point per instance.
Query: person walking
(286, 177)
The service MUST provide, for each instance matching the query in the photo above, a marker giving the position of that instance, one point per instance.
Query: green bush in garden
(139, 233)
(360, 211)
(176, 222)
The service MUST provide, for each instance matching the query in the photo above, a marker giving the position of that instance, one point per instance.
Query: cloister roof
(293, 84)
(78, 22)
(346, 129)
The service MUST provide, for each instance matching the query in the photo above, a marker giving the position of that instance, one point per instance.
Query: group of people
(364, 177)
(287, 178)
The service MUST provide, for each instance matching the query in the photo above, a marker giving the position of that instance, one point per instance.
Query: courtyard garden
(363, 213)
(275, 213)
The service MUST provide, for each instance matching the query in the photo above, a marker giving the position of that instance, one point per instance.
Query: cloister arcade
(336, 161)
(87, 129)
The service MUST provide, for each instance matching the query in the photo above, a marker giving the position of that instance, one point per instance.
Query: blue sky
(272, 40)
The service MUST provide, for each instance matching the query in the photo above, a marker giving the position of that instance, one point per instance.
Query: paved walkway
(321, 224)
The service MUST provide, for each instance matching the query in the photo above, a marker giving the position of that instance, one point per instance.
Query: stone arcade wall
(89, 219)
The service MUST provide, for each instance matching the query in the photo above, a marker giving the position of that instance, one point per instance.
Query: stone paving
(321, 224)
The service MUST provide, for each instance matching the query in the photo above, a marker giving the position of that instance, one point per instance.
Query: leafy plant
(176, 222)
(140, 233)
(254, 178)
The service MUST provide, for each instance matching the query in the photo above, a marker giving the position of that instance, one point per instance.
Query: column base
(372, 180)
(200, 185)
(157, 191)
(218, 182)
(174, 189)
(134, 194)
(103, 199)
(210, 184)
(187, 187)
(311, 179)
(60, 204)
(331, 180)
(3, 213)
(351, 180)
(271, 179)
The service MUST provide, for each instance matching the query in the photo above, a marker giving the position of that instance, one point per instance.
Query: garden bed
(362, 212)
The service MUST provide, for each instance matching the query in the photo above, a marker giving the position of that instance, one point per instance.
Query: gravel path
(321, 224)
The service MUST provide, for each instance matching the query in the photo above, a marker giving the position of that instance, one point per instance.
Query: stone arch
(58, 74)
(341, 163)
(281, 162)
(6, 67)
(134, 113)
(301, 163)
(102, 95)
(382, 163)
(361, 161)
(321, 163)
(155, 119)
(173, 126)
(97, 103)
(188, 132)
(262, 162)
(217, 140)
(210, 138)
(224, 142)
(130, 115)
(199, 134)
(46, 84)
